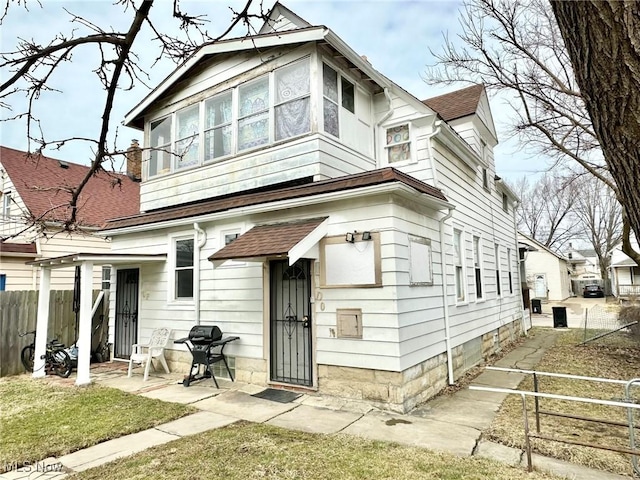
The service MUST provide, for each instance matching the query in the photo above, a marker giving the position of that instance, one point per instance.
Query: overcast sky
(395, 35)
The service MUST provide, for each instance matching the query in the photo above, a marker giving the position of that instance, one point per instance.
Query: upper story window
(271, 108)
(485, 179)
(398, 144)
(505, 202)
(6, 205)
(339, 98)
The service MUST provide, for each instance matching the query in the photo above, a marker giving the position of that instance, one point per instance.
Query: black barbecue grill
(206, 345)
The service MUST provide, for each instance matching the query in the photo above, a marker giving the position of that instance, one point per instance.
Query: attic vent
(64, 165)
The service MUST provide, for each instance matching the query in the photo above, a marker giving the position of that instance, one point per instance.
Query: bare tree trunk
(603, 41)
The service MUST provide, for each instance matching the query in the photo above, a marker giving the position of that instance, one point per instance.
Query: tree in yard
(600, 218)
(516, 47)
(28, 69)
(546, 211)
(603, 43)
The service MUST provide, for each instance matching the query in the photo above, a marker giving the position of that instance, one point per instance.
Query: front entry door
(126, 333)
(290, 318)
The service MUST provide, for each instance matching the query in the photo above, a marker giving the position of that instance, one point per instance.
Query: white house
(583, 263)
(625, 274)
(547, 272)
(354, 237)
(33, 205)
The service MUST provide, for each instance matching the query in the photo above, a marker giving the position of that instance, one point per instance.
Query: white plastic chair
(145, 353)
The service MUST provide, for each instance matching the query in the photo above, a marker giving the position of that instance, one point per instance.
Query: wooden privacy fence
(18, 311)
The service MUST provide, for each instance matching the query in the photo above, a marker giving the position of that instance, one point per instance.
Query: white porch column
(84, 333)
(42, 322)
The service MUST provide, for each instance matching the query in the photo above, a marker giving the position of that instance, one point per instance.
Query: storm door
(126, 333)
(290, 317)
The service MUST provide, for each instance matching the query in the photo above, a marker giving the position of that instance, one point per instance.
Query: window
(218, 130)
(6, 205)
(348, 96)
(458, 263)
(398, 144)
(293, 101)
(3, 282)
(330, 100)
(106, 277)
(253, 114)
(509, 270)
(477, 265)
(184, 269)
(160, 140)
(497, 256)
(505, 202)
(485, 179)
(230, 237)
(273, 107)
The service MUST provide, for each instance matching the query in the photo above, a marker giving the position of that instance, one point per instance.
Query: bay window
(271, 108)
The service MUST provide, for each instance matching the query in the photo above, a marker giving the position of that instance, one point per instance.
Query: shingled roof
(215, 205)
(36, 179)
(458, 104)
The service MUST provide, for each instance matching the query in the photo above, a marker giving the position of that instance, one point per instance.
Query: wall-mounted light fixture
(366, 236)
(350, 237)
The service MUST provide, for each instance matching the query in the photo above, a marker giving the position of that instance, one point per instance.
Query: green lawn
(244, 451)
(39, 419)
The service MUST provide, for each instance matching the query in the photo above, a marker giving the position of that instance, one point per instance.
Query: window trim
(464, 299)
(411, 142)
(485, 179)
(6, 205)
(107, 280)
(478, 268)
(172, 298)
(498, 275)
(235, 119)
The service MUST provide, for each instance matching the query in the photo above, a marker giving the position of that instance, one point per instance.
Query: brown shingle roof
(456, 104)
(358, 180)
(21, 248)
(268, 240)
(36, 178)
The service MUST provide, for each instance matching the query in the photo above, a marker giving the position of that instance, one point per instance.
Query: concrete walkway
(451, 423)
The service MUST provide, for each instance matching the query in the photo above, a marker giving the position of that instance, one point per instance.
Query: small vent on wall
(349, 322)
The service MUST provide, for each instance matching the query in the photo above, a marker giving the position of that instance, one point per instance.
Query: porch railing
(628, 291)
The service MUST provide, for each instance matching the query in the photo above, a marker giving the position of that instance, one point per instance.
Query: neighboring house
(583, 264)
(625, 274)
(354, 237)
(547, 273)
(30, 190)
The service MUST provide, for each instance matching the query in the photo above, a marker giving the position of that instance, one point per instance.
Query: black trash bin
(536, 305)
(559, 317)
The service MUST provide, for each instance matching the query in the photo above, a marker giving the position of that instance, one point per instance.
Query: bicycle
(56, 358)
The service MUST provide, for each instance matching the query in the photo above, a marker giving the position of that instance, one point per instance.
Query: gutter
(445, 304)
(200, 240)
(277, 205)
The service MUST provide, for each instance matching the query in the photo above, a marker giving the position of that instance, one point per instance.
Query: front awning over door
(292, 239)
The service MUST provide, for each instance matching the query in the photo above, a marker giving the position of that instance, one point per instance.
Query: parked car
(592, 291)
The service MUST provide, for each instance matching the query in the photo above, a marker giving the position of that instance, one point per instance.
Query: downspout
(445, 303)
(201, 239)
(382, 120)
(432, 161)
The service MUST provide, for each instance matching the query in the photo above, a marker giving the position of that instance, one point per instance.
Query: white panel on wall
(421, 267)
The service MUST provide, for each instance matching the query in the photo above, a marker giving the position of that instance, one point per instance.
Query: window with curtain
(253, 120)
(330, 100)
(184, 269)
(292, 103)
(187, 136)
(458, 264)
(217, 123)
(398, 144)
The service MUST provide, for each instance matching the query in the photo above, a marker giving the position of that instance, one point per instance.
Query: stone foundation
(396, 391)
(403, 391)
